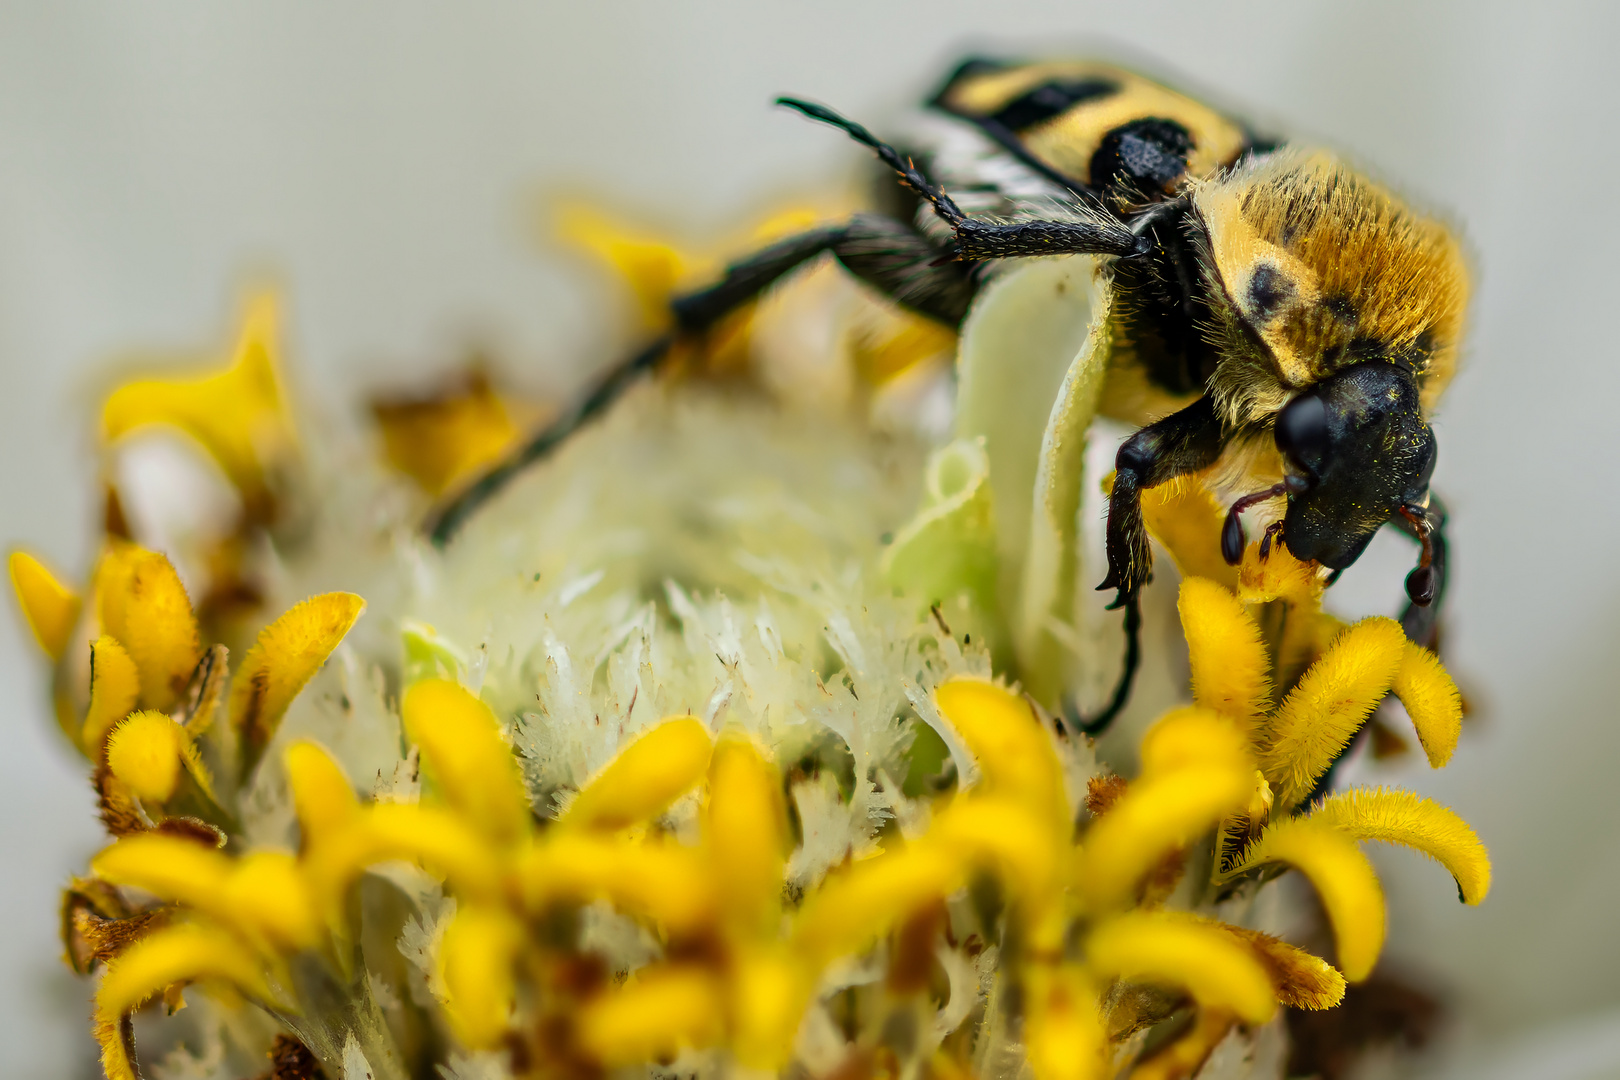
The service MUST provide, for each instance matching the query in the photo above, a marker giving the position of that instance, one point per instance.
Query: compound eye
(1302, 433)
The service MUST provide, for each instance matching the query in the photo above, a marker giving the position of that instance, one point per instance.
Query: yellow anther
(144, 751)
(653, 771)
(51, 608)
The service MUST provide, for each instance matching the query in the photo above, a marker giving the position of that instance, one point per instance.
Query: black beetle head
(1356, 449)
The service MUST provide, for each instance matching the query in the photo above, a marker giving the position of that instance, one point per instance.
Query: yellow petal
(1431, 700)
(854, 907)
(667, 883)
(144, 606)
(769, 994)
(1063, 1031)
(1193, 735)
(179, 954)
(476, 770)
(475, 960)
(266, 891)
(321, 793)
(1402, 817)
(1157, 814)
(745, 827)
(236, 414)
(1279, 576)
(1230, 668)
(1181, 950)
(51, 608)
(144, 751)
(659, 1011)
(651, 772)
(1300, 980)
(1003, 834)
(115, 686)
(1321, 714)
(442, 440)
(1344, 881)
(1183, 517)
(1013, 750)
(652, 267)
(286, 655)
(438, 839)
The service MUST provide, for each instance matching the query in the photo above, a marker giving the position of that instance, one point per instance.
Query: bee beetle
(1282, 325)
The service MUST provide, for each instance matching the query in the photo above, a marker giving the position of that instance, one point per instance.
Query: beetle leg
(1181, 443)
(1426, 585)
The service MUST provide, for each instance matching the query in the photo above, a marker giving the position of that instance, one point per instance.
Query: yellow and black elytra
(1281, 324)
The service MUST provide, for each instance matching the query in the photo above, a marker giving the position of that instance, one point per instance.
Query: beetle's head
(1356, 449)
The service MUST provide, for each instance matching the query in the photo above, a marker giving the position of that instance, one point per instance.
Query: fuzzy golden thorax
(1311, 268)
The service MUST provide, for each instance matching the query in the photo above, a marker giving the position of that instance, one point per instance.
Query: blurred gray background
(384, 161)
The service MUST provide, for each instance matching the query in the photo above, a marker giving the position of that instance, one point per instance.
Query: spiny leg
(1096, 725)
(1093, 232)
(1425, 586)
(1181, 443)
(892, 256)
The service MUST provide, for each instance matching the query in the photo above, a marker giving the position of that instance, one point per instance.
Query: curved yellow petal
(1157, 814)
(1344, 881)
(437, 839)
(1013, 750)
(51, 608)
(1279, 576)
(474, 767)
(267, 892)
(1402, 817)
(1301, 980)
(115, 687)
(1186, 1056)
(651, 266)
(286, 655)
(746, 829)
(668, 883)
(322, 797)
(168, 957)
(1182, 950)
(144, 751)
(852, 908)
(1431, 700)
(1003, 834)
(166, 866)
(1230, 668)
(659, 1011)
(769, 994)
(1193, 736)
(475, 962)
(1328, 706)
(1183, 517)
(1063, 1030)
(656, 768)
(142, 604)
(236, 414)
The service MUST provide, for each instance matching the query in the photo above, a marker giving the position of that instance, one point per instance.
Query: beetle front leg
(1181, 443)
(1426, 585)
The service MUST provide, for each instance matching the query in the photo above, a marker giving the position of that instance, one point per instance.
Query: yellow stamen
(1343, 878)
(1164, 947)
(115, 686)
(1063, 1032)
(853, 908)
(1402, 817)
(657, 1013)
(1013, 750)
(668, 883)
(475, 963)
(144, 606)
(1229, 663)
(176, 955)
(1431, 700)
(746, 829)
(236, 414)
(321, 793)
(651, 772)
(1300, 980)
(286, 655)
(51, 608)
(472, 764)
(1328, 706)
(144, 751)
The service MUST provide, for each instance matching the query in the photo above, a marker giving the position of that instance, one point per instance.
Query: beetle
(1282, 325)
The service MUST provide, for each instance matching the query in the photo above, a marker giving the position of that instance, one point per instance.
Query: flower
(730, 738)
